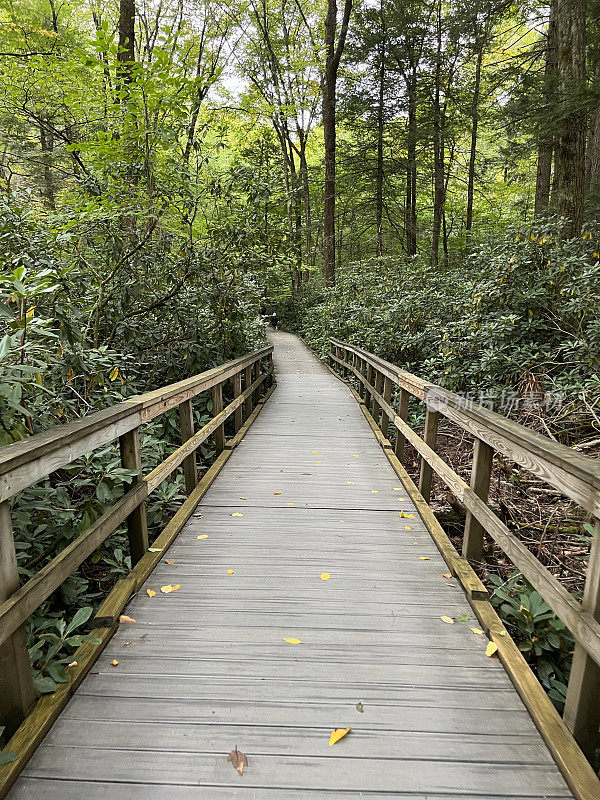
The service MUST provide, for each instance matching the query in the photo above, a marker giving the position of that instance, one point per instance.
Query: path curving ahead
(206, 669)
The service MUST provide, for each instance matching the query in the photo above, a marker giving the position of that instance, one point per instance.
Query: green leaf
(80, 617)
(6, 757)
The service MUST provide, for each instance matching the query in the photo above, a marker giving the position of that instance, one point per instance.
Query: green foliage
(55, 641)
(542, 638)
(524, 304)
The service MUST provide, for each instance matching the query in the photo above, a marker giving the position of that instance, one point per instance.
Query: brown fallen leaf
(276, 492)
(127, 643)
(447, 575)
(169, 561)
(125, 618)
(238, 759)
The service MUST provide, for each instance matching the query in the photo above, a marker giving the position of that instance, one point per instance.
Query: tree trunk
(546, 143)
(126, 54)
(570, 153)
(333, 55)
(411, 166)
(379, 185)
(308, 245)
(438, 149)
(474, 124)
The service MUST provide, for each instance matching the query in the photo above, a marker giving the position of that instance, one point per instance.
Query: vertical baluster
(387, 396)
(368, 373)
(186, 423)
(248, 405)
(430, 437)
(403, 414)
(481, 473)
(17, 695)
(582, 707)
(137, 526)
(378, 384)
(237, 390)
(217, 404)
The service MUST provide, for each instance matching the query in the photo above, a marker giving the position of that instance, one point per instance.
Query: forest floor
(549, 524)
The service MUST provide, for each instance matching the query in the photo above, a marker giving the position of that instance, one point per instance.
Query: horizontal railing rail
(572, 474)
(24, 463)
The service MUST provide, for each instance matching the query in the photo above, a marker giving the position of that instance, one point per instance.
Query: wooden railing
(574, 475)
(24, 463)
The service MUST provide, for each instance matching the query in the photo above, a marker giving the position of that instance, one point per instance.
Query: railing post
(248, 405)
(362, 369)
(186, 421)
(429, 437)
(217, 404)
(481, 473)
(403, 414)
(137, 526)
(387, 396)
(17, 694)
(582, 707)
(368, 373)
(378, 384)
(237, 390)
(255, 377)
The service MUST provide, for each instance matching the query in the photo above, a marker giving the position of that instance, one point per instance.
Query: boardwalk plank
(205, 668)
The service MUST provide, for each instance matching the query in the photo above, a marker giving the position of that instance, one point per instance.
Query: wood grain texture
(307, 491)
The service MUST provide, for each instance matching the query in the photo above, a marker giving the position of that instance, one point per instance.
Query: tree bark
(546, 143)
(126, 54)
(333, 56)
(438, 149)
(380, 126)
(480, 46)
(570, 153)
(411, 166)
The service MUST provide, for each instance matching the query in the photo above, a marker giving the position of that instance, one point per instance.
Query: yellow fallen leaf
(127, 643)
(407, 528)
(293, 641)
(289, 504)
(397, 488)
(315, 451)
(150, 592)
(125, 618)
(276, 492)
(350, 483)
(204, 536)
(374, 491)
(402, 499)
(501, 633)
(355, 456)
(230, 572)
(114, 663)
(447, 575)
(449, 620)
(243, 498)
(236, 514)
(477, 631)
(170, 588)
(73, 664)
(491, 649)
(325, 576)
(423, 558)
(319, 462)
(337, 734)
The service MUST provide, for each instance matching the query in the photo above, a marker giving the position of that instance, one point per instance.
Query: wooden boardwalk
(206, 668)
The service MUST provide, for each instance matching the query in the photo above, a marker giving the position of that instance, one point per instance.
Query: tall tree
(570, 152)
(333, 54)
(547, 134)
